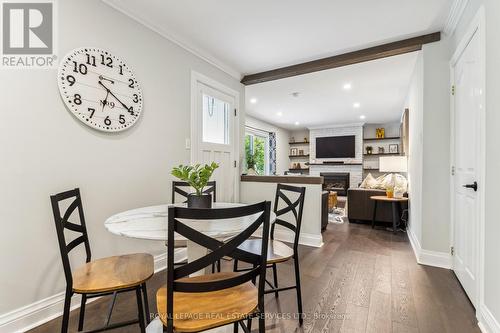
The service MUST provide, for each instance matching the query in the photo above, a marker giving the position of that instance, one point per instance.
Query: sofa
(360, 206)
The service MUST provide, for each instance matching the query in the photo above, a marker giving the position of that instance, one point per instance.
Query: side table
(396, 209)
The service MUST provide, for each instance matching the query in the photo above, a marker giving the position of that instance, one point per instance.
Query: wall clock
(100, 89)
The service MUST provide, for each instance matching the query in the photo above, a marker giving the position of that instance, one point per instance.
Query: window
(215, 120)
(256, 151)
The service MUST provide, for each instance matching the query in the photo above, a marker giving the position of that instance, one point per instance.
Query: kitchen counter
(258, 188)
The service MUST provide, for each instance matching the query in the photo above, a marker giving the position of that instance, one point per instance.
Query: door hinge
(453, 170)
(453, 90)
(235, 112)
(235, 164)
(452, 250)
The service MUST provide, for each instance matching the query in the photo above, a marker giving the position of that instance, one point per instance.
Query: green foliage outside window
(255, 150)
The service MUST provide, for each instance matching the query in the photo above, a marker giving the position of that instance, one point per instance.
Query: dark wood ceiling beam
(351, 58)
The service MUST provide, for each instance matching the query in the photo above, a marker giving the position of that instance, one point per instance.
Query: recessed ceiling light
(253, 100)
(362, 117)
(347, 86)
(295, 94)
(297, 123)
(356, 105)
(279, 114)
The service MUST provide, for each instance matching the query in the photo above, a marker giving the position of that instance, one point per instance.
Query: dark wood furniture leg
(374, 213)
(395, 217)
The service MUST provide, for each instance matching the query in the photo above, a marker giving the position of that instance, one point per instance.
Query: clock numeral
(106, 61)
(121, 69)
(131, 111)
(71, 79)
(122, 119)
(136, 98)
(77, 99)
(91, 110)
(131, 83)
(79, 68)
(90, 60)
(107, 121)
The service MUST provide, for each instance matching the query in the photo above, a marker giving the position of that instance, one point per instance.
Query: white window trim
(264, 134)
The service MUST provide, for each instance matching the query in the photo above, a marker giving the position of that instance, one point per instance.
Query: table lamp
(393, 164)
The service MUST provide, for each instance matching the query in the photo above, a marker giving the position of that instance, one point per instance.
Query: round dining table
(150, 223)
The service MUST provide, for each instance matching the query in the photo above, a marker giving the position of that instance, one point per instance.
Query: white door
(466, 138)
(214, 139)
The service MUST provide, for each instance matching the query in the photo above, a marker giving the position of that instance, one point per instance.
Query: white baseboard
(426, 257)
(288, 236)
(42, 311)
(487, 322)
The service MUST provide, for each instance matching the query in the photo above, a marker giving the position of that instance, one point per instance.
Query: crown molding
(169, 35)
(456, 11)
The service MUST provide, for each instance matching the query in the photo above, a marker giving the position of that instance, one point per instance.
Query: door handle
(472, 186)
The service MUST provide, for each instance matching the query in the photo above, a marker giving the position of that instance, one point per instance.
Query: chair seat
(194, 312)
(113, 273)
(276, 251)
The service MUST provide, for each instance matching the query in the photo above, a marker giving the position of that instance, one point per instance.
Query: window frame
(253, 132)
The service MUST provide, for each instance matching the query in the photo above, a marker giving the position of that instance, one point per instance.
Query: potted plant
(251, 164)
(197, 177)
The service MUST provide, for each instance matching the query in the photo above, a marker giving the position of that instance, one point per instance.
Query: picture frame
(293, 151)
(301, 151)
(394, 148)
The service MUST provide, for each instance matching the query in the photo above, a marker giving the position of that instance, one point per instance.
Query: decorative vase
(251, 172)
(199, 201)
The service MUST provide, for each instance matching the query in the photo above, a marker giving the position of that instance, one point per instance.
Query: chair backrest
(177, 186)
(295, 207)
(62, 222)
(217, 249)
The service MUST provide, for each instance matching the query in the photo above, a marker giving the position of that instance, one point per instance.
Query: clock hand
(104, 78)
(105, 100)
(126, 107)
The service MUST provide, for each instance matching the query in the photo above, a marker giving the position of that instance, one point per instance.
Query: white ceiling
(243, 37)
(379, 86)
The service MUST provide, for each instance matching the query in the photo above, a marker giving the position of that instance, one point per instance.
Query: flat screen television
(336, 147)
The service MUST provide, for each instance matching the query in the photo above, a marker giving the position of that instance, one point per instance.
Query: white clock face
(100, 89)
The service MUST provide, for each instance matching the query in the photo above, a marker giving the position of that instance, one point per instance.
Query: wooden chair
(106, 276)
(177, 186)
(279, 252)
(195, 304)
(211, 188)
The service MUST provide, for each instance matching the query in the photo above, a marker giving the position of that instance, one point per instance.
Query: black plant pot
(199, 201)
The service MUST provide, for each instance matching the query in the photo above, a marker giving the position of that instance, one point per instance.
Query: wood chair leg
(275, 276)
(146, 303)
(235, 267)
(110, 309)
(262, 323)
(140, 310)
(67, 305)
(82, 312)
(299, 292)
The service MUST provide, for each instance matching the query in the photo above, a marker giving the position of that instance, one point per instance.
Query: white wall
(436, 148)
(46, 150)
(490, 309)
(282, 146)
(414, 103)
(429, 159)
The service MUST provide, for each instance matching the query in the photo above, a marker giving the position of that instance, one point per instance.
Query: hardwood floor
(361, 280)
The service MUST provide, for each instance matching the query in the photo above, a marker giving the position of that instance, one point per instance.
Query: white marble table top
(151, 223)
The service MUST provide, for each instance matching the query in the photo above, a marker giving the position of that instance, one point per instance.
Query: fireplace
(336, 181)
